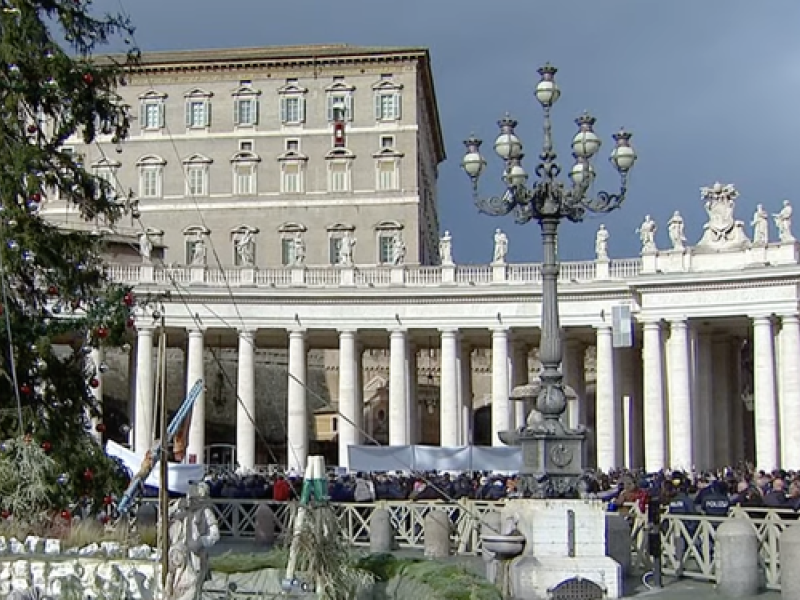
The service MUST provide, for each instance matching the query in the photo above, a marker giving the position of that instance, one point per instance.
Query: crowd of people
(711, 493)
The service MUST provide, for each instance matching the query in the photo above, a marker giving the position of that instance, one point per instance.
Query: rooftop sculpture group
(722, 231)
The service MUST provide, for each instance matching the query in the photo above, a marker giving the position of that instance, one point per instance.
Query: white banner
(179, 476)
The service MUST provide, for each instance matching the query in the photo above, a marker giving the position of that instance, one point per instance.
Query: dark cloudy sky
(710, 89)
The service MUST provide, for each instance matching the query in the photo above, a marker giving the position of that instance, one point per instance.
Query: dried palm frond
(324, 555)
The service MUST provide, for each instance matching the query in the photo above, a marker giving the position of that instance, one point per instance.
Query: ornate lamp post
(547, 201)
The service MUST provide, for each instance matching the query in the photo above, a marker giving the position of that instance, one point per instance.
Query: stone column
(133, 355)
(297, 405)
(608, 407)
(764, 400)
(398, 389)
(705, 425)
(655, 455)
(501, 409)
(411, 402)
(737, 407)
(347, 395)
(360, 419)
(465, 361)
(681, 450)
(246, 405)
(449, 405)
(574, 369)
(519, 376)
(97, 357)
(195, 370)
(145, 389)
(790, 391)
(720, 356)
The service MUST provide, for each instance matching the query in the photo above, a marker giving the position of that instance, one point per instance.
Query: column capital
(603, 327)
(500, 331)
(790, 318)
(246, 332)
(679, 323)
(347, 331)
(145, 329)
(649, 322)
(195, 330)
(763, 319)
(296, 332)
(449, 332)
(396, 332)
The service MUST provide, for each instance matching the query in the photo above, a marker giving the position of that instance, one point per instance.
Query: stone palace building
(287, 201)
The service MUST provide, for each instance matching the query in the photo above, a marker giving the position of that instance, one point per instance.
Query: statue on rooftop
(783, 221)
(722, 229)
(500, 247)
(601, 243)
(760, 226)
(647, 235)
(675, 227)
(446, 249)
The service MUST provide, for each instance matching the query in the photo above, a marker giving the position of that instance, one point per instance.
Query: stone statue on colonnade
(722, 230)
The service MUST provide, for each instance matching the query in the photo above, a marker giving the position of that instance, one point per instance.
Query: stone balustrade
(371, 276)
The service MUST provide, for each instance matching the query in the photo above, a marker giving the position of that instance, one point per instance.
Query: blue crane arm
(154, 455)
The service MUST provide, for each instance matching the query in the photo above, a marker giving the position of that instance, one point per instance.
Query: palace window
(387, 176)
(293, 165)
(106, 173)
(337, 233)
(198, 109)
(193, 237)
(152, 113)
(388, 99)
(340, 162)
(245, 165)
(288, 234)
(245, 105)
(339, 100)
(386, 232)
(292, 103)
(151, 175)
(197, 168)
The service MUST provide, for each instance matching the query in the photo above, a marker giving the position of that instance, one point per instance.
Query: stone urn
(504, 546)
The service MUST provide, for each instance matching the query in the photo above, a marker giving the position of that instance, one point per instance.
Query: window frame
(292, 91)
(197, 163)
(286, 235)
(386, 230)
(395, 174)
(246, 94)
(240, 160)
(335, 235)
(197, 97)
(152, 98)
(154, 164)
(385, 88)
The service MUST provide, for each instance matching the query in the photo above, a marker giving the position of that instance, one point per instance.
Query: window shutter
(208, 113)
(188, 114)
(332, 251)
(331, 101)
(301, 109)
(162, 115)
(143, 115)
(284, 110)
(622, 326)
(256, 106)
(348, 107)
(398, 106)
(378, 107)
(237, 110)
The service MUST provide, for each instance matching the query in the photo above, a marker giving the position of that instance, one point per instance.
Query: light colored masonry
(287, 201)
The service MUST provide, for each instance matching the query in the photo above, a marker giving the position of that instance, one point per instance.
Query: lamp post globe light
(553, 462)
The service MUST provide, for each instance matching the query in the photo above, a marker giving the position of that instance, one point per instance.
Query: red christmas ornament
(102, 332)
(88, 475)
(66, 515)
(108, 500)
(100, 428)
(88, 78)
(5, 514)
(94, 382)
(32, 128)
(37, 197)
(25, 389)
(47, 446)
(52, 290)
(128, 299)
(131, 322)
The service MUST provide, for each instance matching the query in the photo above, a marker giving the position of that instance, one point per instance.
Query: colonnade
(673, 400)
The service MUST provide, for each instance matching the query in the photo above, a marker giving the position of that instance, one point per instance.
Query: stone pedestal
(566, 539)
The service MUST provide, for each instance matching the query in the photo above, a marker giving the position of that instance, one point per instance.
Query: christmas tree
(56, 303)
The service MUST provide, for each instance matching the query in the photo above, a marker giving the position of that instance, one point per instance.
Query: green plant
(56, 303)
(230, 562)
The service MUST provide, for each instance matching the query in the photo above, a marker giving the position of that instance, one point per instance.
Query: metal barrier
(687, 540)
